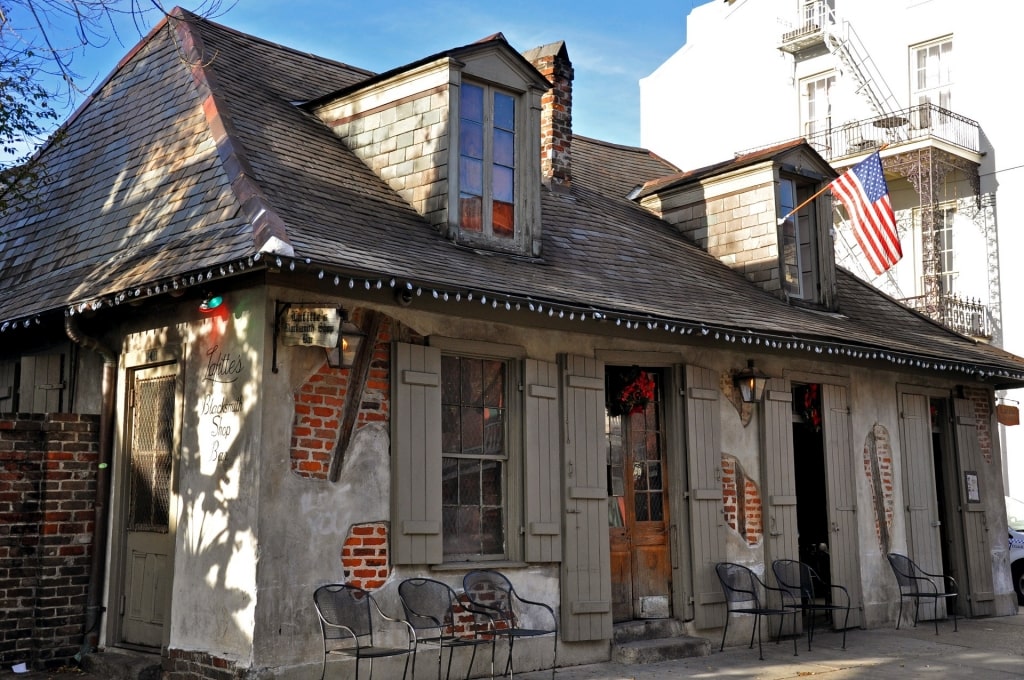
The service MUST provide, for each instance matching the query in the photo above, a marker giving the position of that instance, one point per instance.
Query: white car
(1015, 523)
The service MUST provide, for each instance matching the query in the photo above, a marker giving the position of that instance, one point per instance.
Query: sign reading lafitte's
(310, 325)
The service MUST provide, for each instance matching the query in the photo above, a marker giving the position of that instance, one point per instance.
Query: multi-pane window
(474, 419)
(797, 259)
(931, 73)
(944, 247)
(487, 161)
(818, 106)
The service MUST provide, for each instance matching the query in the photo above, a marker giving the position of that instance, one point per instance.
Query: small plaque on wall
(971, 484)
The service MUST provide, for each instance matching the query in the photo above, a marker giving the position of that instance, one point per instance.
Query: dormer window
(798, 251)
(487, 161)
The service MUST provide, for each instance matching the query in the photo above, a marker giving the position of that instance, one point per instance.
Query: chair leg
(554, 656)
(724, 631)
(899, 616)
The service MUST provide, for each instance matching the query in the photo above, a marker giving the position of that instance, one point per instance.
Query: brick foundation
(182, 665)
(47, 493)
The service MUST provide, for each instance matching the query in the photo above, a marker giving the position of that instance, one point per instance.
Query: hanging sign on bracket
(310, 325)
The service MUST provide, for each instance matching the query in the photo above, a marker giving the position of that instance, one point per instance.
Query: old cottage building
(536, 371)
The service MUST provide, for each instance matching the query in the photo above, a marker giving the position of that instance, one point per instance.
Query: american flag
(862, 190)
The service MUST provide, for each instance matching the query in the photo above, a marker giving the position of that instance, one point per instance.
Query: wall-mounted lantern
(750, 382)
(350, 339)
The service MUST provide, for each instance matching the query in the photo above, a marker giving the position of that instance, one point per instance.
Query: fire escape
(924, 144)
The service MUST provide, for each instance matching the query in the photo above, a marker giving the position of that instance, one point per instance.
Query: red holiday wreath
(631, 393)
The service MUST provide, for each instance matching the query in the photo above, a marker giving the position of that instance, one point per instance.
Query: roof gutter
(97, 566)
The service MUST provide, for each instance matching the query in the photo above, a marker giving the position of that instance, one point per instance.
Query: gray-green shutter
(979, 553)
(779, 484)
(543, 512)
(416, 455)
(704, 460)
(842, 496)
(42, 383)
(586, 562)
(919, 484)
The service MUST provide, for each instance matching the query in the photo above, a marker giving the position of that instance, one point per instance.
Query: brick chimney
(552, 61)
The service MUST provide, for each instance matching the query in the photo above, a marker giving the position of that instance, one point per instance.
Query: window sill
(484, 564)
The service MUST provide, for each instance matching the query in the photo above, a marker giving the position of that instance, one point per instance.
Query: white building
(922, 80)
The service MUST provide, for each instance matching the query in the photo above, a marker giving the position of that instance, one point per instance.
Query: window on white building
(931, 73)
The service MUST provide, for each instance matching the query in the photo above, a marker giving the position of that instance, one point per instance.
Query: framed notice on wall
(971, 485)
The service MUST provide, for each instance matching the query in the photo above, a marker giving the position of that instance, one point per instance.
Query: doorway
(638, 512)
(150, 444)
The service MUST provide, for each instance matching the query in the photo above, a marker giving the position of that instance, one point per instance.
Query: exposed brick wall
(878, 469)
(182, 665)
(47, 493)
(364, 557)
(318, 405)
(402, 135)
(983, 406)
(741, 499)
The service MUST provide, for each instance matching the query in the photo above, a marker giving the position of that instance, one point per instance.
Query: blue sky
(612, 44)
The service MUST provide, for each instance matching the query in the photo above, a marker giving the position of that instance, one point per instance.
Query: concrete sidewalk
(983, 648)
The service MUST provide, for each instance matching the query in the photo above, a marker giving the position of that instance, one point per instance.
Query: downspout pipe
(97, 566)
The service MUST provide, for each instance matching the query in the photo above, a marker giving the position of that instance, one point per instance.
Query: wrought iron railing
(926, 121)
(962, 315)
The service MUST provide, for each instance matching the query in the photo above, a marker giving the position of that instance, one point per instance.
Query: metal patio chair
(745, 593)
(917, 584)
(353, 624)
(491, 593)
(439, 618)
(810, 594)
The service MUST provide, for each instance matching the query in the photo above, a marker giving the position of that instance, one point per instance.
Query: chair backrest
(739, 584)
(493, 591)
(795, 578)
(428, 604)
(341, 606)
(905, 570)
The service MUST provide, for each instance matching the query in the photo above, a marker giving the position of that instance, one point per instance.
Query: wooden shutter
(543, 512)
(42, 383)
(975, 525)
(842, 496)
(586, 561)
(416, 455)
(779, 477)
(704, 460)
(919, 483)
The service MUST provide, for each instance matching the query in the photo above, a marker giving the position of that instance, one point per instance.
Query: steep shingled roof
(175, 167)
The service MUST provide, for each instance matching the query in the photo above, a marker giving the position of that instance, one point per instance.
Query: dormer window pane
(504, 112)
(487, 161)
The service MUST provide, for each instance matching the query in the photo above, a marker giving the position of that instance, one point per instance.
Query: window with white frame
(931, 73)
(475, 456)
(816, 111)
(943, 217)
(798, 262)
(487, 163)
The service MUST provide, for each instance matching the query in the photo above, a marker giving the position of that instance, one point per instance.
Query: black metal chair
(810, 594)
(917, 584)
(491, 593)
(440, 618)
(349, 621)
(745, 593)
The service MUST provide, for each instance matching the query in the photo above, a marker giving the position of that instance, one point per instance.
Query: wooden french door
(638, 513)
(149, 543)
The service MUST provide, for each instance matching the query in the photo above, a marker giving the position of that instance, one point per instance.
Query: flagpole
(816, 194)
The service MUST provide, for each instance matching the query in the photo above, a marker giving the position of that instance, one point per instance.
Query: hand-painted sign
(310, 325)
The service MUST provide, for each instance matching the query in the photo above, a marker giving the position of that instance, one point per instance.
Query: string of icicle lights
(509, 303)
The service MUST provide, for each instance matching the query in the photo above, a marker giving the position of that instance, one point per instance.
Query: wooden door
(149, 543)
(638, 512)
(919, 485)
(981, 596)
